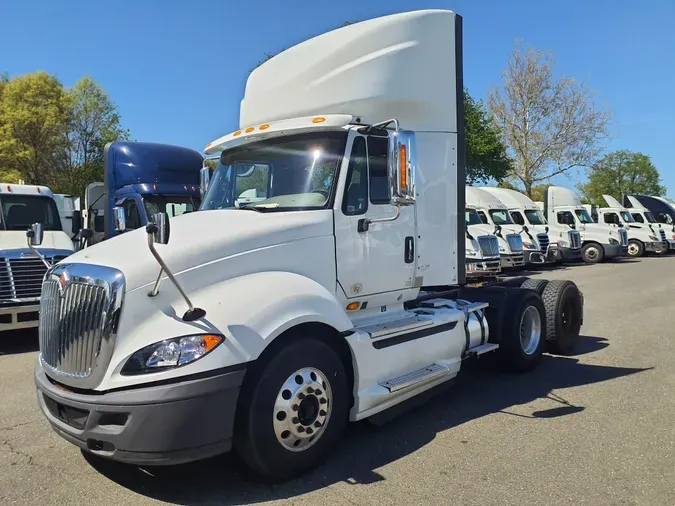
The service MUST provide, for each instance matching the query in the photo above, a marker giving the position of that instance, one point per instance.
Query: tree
(621, 173)
(33, 113)
(486, 156)
(538, 192)
(550, 125)
(92, 122)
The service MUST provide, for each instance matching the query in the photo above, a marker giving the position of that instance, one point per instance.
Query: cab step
(480, 350)
(415, 377)
(410, 322)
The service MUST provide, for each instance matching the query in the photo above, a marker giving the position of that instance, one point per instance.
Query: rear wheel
(592, 253)
(635, 248)
(523, 331)
(537, 285)
(564, 312)
(293, 409)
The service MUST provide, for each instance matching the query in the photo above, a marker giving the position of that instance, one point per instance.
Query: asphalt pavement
(596, 428)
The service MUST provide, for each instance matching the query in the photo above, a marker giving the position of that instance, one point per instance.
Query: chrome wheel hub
(592, 253)
(632, 249)
(530, 330)
(302, 409)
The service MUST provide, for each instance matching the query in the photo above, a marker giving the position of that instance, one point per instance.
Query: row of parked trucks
(326, 276)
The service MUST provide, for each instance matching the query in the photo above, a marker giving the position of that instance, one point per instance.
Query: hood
(476, 230)
(202, 237)
(52, 239)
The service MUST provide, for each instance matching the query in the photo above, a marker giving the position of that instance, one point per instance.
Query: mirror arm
(29, 235)
(155, 289)
(192, 313)
(364, 223)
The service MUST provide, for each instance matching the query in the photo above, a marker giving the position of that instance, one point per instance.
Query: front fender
(250, 311)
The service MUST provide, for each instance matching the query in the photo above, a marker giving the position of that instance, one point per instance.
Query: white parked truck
(21, 268)
(557, 242)
(482, 248)
(599, 241)
(642, 215)
(336, 298)
(513, 249)
(641, 237)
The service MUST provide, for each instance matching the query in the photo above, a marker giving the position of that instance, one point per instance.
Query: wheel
(293, 409)
(523, 331)
(635, 248)
(537, 285)
(564, 312)
(592, 253)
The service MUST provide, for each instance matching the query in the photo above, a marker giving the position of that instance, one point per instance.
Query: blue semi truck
(143, 178)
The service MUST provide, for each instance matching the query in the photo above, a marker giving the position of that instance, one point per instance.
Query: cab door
(382, 258)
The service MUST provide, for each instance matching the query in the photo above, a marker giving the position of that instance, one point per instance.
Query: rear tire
(592, 253)
(564, 312)
(293, 409)
(523, 331)
(537, 285)
(635, 248)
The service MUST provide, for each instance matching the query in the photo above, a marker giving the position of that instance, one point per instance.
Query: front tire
(635, 248)
(294, 407)
(592, 253)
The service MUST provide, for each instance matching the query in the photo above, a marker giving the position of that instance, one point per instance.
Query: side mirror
(86, 233)
(35, 234)
(525, 229)
(204, 179)
(119, 219)
(159, 228)
(77, 222)
(401, 167)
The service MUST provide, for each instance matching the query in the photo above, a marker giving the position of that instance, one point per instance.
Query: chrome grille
(489, 246)
(543, 242)
(21, 278)
(663, 234)
(575, 239)
(79, 310)
(515, 243)
(623, 237)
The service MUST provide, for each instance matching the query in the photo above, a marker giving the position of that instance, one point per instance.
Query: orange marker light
(352, 306)
(249, 130)
(211, 341)
(318, 120)
(264, 127)
(237, 133)
(403, 165)
(9, 188)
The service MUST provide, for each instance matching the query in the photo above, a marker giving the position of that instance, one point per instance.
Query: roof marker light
(264, 127)
(237, 133)
(249, 130)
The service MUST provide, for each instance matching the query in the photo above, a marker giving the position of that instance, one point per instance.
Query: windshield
(627, 217)
(501, 217)
(19, 212)
(535, 217)
(472, 217)
(173, 205)
(287, 173)
(650, 217)
(583, 216)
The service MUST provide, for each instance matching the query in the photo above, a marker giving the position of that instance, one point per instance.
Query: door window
(517, 218)
(377, 162)
(131, 214)
(355, 199)
(565, 217)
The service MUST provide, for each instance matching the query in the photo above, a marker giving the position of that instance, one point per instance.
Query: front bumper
(19, 315)
(538, 258)
(153, 425)
(517, 260)
(482, 267)
(568, 254)
(657, 247)
(615, 250)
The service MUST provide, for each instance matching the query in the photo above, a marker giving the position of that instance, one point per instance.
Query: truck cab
(663, 229)
(21, 269)
(557, 242)
(266, 327)
(513, 250)
(641, 237)
(482, 248)
(143, 178)
(599, 241)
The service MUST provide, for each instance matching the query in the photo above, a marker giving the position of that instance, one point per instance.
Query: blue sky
(177, 69)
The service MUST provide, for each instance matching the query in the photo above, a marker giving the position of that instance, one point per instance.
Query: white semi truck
(21, 268)
(599, 241)
(557, 242)
(267, 327)
(482, 248)
(514, 250)
(641, 237)
(641, 214)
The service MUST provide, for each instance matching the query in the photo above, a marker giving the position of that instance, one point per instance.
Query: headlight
(502, 249)
(613, 241)
(652, 238)
(528, 245)
(470, 252)
(563, 244)
(171, 353)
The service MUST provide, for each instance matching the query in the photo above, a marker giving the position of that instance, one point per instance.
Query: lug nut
(310, 390)
(317, 424)
(301, 428)
(295, 407)
(295, 420)
(322, 401)
(318, 392)
(322, 413)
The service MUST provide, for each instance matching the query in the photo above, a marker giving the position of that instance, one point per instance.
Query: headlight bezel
(137, 363)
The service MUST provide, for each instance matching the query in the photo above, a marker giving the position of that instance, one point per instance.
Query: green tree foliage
(486, 156)
(538, 193)
(621, 173)
(550, 125)
(33, 113)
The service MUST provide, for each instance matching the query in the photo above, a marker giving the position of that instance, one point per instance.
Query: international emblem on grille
(64, 281)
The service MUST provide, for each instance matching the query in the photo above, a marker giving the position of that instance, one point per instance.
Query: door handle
(409, 250)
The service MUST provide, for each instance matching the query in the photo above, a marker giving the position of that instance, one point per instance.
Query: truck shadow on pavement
(480, 390)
